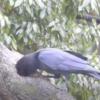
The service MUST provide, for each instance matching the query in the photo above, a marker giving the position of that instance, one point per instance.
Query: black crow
(57, 62)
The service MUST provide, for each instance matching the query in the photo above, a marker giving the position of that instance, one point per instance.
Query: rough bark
(14, 87)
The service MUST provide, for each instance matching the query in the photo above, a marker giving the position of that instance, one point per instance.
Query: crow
(56, 62)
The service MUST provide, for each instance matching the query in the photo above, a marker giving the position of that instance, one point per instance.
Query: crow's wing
(59, 60)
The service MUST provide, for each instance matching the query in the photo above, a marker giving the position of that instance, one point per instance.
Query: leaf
(40, 3)
(51, 24)
(2, 23)
(30, 36)
(93, 4)
(7, 20)
(53, 41)
(85, 82)
(83, 21)
(62, 32)
(71, 78)
(94, 22)
(42, 14)
(85, 3)
(7, 39)
(35, 27)
(57, 81)
(28, 10)
(91, 98)
(14, 45)
(95, 53)
(19, 31)
(80, 80)
(95, 92)
(18, 3)
(29, 27)
(20, 36)
(11, 2)
(25, 39)
(95, 85)
(30, 2)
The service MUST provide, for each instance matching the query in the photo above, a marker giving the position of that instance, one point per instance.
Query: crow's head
(25, 66)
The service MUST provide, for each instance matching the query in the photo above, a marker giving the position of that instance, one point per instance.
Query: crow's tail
(96, 75)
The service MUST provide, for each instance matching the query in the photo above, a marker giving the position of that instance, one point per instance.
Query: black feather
(77, 54)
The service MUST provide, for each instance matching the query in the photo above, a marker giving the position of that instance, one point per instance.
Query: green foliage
(28, 25)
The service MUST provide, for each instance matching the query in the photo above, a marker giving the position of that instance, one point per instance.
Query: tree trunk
(15, 87)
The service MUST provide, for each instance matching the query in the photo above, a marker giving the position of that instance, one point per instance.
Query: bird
(57, 62)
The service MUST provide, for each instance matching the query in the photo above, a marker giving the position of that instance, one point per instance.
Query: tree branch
(88, 18)
(14, 87)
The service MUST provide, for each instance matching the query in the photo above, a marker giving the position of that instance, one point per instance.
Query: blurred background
(29, 25)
